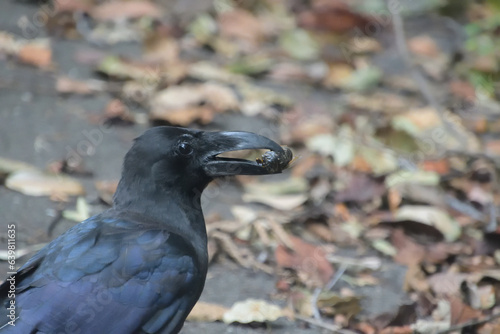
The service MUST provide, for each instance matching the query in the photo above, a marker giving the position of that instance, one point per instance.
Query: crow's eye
(185, 148)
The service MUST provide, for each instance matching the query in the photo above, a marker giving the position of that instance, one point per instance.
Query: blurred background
(387, 220)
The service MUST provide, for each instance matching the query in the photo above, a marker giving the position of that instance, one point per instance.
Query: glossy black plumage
(140, 266)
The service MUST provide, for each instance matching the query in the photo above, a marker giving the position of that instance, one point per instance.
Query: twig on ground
(371, 262)
(56, 220)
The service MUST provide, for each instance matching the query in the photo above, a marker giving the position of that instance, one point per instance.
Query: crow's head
(170, 157)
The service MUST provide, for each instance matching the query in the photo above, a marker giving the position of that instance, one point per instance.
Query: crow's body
(140, 266)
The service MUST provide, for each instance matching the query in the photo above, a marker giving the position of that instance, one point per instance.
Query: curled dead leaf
(134, 9)
(308, 260)
(241, 24)
(8, 166)
(207, 312)
(252, 310)
(332, 304)
(66, 85)
(37, 183)
(184, 117)
(38, 54)
(280, 202)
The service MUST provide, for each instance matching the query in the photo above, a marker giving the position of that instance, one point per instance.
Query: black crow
(140, 266)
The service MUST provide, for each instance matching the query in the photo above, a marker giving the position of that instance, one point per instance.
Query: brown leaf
(207, 312)
(379, 101)
(333, 16)
(460, 312)
(71, 6)
(463, 89)
(302, 128)
(490, 328)
(361, 188)
(201, 100)
(441, 166)
(301, 301)
(411, 253)
(423, 45)
(287, 72)
(321, 231)
(492, 147)
(308, 259)
(365, 328)
(66, 85)
(116, 112)
(397, 330)
(36, 54)
(240, 24)
(415, 279)
(446, 284)
(162, 49)
(338, 75)
(133, 9)
(305, 164)
(184, 117)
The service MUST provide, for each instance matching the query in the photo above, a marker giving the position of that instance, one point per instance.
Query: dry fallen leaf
(38, 54)
(279, 202)
(332, 16)
(423, 45)
(308, 260)
(341, 147)
(8, 166)
(461, 312)
(207, 312)
(241, 24)
(361, 188)
(185, 104)
(431, 216)
(117, 113)
(133, 9)
(446, 284)
(37, 183)
(122, 68)
(252, 310)
(293, 185)
(66, 85)
(184, 117)
(301, 300)
(331, 304)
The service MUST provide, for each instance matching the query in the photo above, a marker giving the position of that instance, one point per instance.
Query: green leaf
(203, 28)
(299, 45)
(384, 247)
(363, 79)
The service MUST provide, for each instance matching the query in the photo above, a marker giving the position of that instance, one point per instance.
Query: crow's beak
(220, 142)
